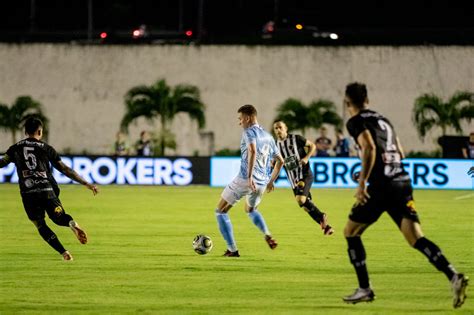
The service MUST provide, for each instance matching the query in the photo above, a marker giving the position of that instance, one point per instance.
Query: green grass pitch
(139, 258)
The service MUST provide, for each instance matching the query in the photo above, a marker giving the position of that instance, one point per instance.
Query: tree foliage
(13, 118)
(298, 116)
(430, 111)
(162, 102)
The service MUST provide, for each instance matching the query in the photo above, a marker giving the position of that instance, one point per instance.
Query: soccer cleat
(360, 295)
(228, 253)
(67, 256)
(272, 243)
(327, 229)
(459, 284)
(78, 231)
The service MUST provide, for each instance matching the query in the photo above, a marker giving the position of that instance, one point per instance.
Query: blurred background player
(468, 150)
(389, 190)
(296, 152)
(258, 149)
(323, 143)
(38, 188)
(121, 146)
(144, 145)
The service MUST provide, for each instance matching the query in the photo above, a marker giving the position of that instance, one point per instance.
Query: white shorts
(238, 188)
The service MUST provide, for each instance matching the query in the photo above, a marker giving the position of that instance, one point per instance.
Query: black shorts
(303, 187)
(395, 197)
(36, 207)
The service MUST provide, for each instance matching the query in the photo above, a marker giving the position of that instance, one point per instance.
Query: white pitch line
(464, 196)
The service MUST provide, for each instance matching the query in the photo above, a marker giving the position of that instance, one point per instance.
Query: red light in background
(136, 33)
(189, 33)
(103, 35)
(269, 27)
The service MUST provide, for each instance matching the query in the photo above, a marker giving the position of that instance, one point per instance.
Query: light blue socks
(258, 220)
(225, 226)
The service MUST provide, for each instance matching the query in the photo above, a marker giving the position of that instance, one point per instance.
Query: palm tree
(298, 116)
(430, 111)
(12, 118)
(163, 102)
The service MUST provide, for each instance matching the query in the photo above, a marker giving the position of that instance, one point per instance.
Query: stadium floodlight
(333, 36)
(140, 32)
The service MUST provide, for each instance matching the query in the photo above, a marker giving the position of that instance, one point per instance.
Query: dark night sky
(228, 20)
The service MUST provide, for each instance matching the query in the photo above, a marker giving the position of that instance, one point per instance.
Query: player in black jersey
(39, 190)
(385, 186)
(296, 151)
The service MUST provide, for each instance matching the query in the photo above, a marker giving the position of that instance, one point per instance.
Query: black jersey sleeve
(53, 156)
(10, 153)
(300, 141)
(355, 126)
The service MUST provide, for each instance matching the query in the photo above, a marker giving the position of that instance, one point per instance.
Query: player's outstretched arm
(367, 155)
(4, 161)
(252, 156)
(400, 148)
(311, 151)
(69, 172)
(275, 173)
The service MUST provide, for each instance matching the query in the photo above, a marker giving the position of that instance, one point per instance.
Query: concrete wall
(82, 87)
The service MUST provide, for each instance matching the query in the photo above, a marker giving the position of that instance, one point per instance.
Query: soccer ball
(202, 244)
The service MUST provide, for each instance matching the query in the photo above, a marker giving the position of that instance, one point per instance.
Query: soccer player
(39, 190)
(385, 186)
(144, 146)
(258, 149)
(296, 152)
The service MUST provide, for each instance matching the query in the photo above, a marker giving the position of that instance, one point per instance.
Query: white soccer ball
(202, 244)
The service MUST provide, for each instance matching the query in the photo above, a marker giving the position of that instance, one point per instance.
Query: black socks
(435, 256)
(48, 235)
(356, 253)
(313, 211)
(62, 220)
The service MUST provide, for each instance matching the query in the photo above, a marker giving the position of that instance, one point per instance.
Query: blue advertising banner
(219, 171)
(106, 170)
(337, 172)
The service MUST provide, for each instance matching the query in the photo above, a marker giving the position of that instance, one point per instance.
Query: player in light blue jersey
(258, 149)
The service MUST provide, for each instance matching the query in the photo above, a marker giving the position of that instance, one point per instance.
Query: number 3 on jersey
(30, 158)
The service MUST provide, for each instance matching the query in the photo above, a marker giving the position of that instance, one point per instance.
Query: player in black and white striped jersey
(296, 151)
